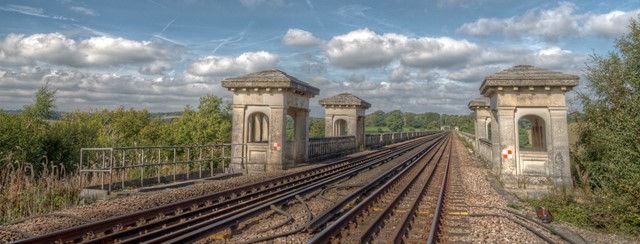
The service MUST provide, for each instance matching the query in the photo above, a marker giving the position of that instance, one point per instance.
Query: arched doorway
(531, 133)
(340, 127)
(258, 124)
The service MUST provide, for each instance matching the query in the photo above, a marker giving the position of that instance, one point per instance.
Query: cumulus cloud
(553, 24)
(155, 68)
(226, 66)
(300, 38)
(365, 49)
(442, 52)
(102, 51)
(400, 75)
(87, 90)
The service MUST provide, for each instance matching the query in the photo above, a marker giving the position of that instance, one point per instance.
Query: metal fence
(121, 167)
(378, 140)
(330, 147)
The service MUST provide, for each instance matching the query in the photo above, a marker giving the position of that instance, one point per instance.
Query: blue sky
(416, 56)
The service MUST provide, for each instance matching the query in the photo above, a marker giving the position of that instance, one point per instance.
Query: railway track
(194, 219)
(402, 205)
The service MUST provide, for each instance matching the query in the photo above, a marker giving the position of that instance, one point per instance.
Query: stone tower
(344, 116)
(533, 97)
(480, 107)
(261, 103)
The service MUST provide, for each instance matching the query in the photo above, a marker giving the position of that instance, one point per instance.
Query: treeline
(397, 121)
(32, 137)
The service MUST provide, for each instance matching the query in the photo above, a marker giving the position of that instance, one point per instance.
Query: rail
(121, 167)
(373, 141)
(330, 147)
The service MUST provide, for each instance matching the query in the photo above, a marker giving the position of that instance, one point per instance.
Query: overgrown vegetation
(38, 156)
(607, 156)
(397, 121)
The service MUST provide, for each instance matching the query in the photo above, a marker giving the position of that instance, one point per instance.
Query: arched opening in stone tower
(258, 124)
(340, 127)
(531, 133)
(290, 129)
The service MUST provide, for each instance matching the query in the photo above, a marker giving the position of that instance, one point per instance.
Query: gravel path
(483, 190)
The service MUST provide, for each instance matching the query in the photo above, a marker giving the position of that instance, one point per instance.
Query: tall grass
(24, 193)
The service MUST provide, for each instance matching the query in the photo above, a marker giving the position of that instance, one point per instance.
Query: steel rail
(385, 180)
(201, 229)
(374, 226)
(77, 234)
(437, 214)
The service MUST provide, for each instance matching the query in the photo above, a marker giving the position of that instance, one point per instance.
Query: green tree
(316, 128)
(394, 120)
(43, 106)
(376, 119)
(610, 124)
(210, 124)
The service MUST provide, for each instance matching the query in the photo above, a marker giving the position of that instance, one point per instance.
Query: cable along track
(193, 219)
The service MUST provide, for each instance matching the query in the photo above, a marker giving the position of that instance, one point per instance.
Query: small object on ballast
(544, 214)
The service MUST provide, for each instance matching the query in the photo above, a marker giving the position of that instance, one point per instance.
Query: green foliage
(375, 119)
(44, 104)
(394, 120)
(598, 211)
(524, 128)
(610, 125)
(316, 128)
(210, 124)
(607, 156)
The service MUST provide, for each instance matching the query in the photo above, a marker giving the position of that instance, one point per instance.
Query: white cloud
(365, 49)
(102, 51)
(612, 24)
(155, 68)
(442, 52)
(553, 24)
(31, 11)
(300, 38)
(86, 90)
(400, 75)
(226, 66)
(83, 10)
(257, 3)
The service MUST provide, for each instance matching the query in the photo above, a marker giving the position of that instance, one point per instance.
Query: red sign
(508, 154)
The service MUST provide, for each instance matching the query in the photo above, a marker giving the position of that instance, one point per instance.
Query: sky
(416, 56)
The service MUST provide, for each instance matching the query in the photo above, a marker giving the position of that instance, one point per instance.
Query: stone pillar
(496, 155)
(277, 139)
(538, 95)
(237, 148)
(328, 126)
(301, 138)
(269, 95)
(351, 109)
(360, 140)
(507, 143)
(480, 106)
(560, 147)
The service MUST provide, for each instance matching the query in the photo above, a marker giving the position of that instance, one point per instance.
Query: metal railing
(379, 140)
(330, 147)
(121, 167)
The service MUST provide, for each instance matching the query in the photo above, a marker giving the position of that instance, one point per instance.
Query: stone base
(529, 193)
